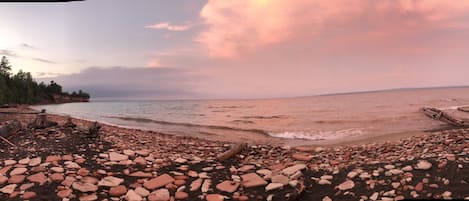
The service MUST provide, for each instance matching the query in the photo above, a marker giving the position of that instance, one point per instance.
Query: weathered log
(440, 115)
(232, 152)
(10, 128)
(464, 109)
(41, 121)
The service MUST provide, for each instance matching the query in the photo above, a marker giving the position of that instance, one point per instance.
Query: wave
(320, 135)
(146, 120)
(265, 117)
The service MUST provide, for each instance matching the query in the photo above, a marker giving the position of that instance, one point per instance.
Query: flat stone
(56, 177)
(9, 162)
(252, 180)
(140, 161)
(133, 196)
(84, 187)
(53, 158)
(71, 165)
(324, 182)
(206, 185)
(181, 195)
(142, 153)
(3, 180)
(117, 191)
(91, 197)
(35, 161)
(110, 181)
(8, 189)
(264, 172)
(273, 186)
(16, 179)
(18, 171)
(326, 198)
(128, 152)
(142, 191)
(346, 185)
(195, 185)
(418, 187)
(159, 195)
(158, 182)
(214, 197)
(352, 174)
(228, 186)
(29, 195)
(407, 168)
(39, 178)
(292, 169)
(141, 174)
(57, 169)
(280, 179)
(302, 156)
(327, 177)
(246, 168)
(113, 156)
(64, 193)
(24, 161)
(423, 165)
(180, 160)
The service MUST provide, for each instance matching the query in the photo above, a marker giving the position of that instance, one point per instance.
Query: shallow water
(316, 118)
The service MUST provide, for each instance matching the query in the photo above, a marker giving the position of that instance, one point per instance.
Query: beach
(58, 163)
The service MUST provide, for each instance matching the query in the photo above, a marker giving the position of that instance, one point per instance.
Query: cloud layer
(237, 27)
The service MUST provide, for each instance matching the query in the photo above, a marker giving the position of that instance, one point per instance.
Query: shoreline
(270, 140)
(131, 164)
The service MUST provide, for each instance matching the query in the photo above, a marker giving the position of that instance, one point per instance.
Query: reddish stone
(181, 195)
(38, 178)
(67, 157)
(253, 180)
(214, 197)
(53, 158)
(3, 179)
(158, 182)
(28, 195)
(56, 177)
(64, 193)
(228, 186)
(419, 187)
(83, 172)
(16, 179)
(4, 170)
(141, 174)
(80, 160)
(117, 191)
(179, 182)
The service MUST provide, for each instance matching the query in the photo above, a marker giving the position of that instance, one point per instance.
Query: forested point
(21, 88)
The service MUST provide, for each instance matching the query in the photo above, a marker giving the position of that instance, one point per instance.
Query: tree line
(20, 88)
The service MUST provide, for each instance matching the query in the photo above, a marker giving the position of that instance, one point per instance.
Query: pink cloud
(170, 27)
(234, 28)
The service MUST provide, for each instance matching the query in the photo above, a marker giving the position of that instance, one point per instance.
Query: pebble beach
(58, 163)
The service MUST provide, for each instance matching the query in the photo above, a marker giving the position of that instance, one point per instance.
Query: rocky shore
(61, 163)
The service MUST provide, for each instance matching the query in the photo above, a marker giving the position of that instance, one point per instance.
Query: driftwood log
(464, 109)
(10, 128)
(233, 151)
(93, 131)
(440, 115)
(41, 121)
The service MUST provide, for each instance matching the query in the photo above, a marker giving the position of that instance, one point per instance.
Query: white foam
(319, 135)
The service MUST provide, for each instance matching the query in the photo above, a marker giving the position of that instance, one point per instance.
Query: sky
(189, 49)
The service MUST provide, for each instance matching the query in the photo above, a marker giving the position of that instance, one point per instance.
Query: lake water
(315, 118)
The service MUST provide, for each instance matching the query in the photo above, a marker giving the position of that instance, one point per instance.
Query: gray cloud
(130, 83)
(8, 53)
(27, 46)
(44, 60)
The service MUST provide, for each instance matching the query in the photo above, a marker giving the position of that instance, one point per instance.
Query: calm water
(317, 118)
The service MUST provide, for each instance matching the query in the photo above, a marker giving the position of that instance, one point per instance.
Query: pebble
(291, 170)
(18, 171)
(273, 186)
(159, 195)
(228, 186)
(117, 191)
(280, 179)
(131, 195)
(423, 165)
(29, 195)
(181, 195)
(349, 184)
(8, 189)
(252, 180)
(214, 197)
(113, 156)
(142, 191)
(84, 187)
(158, 182)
